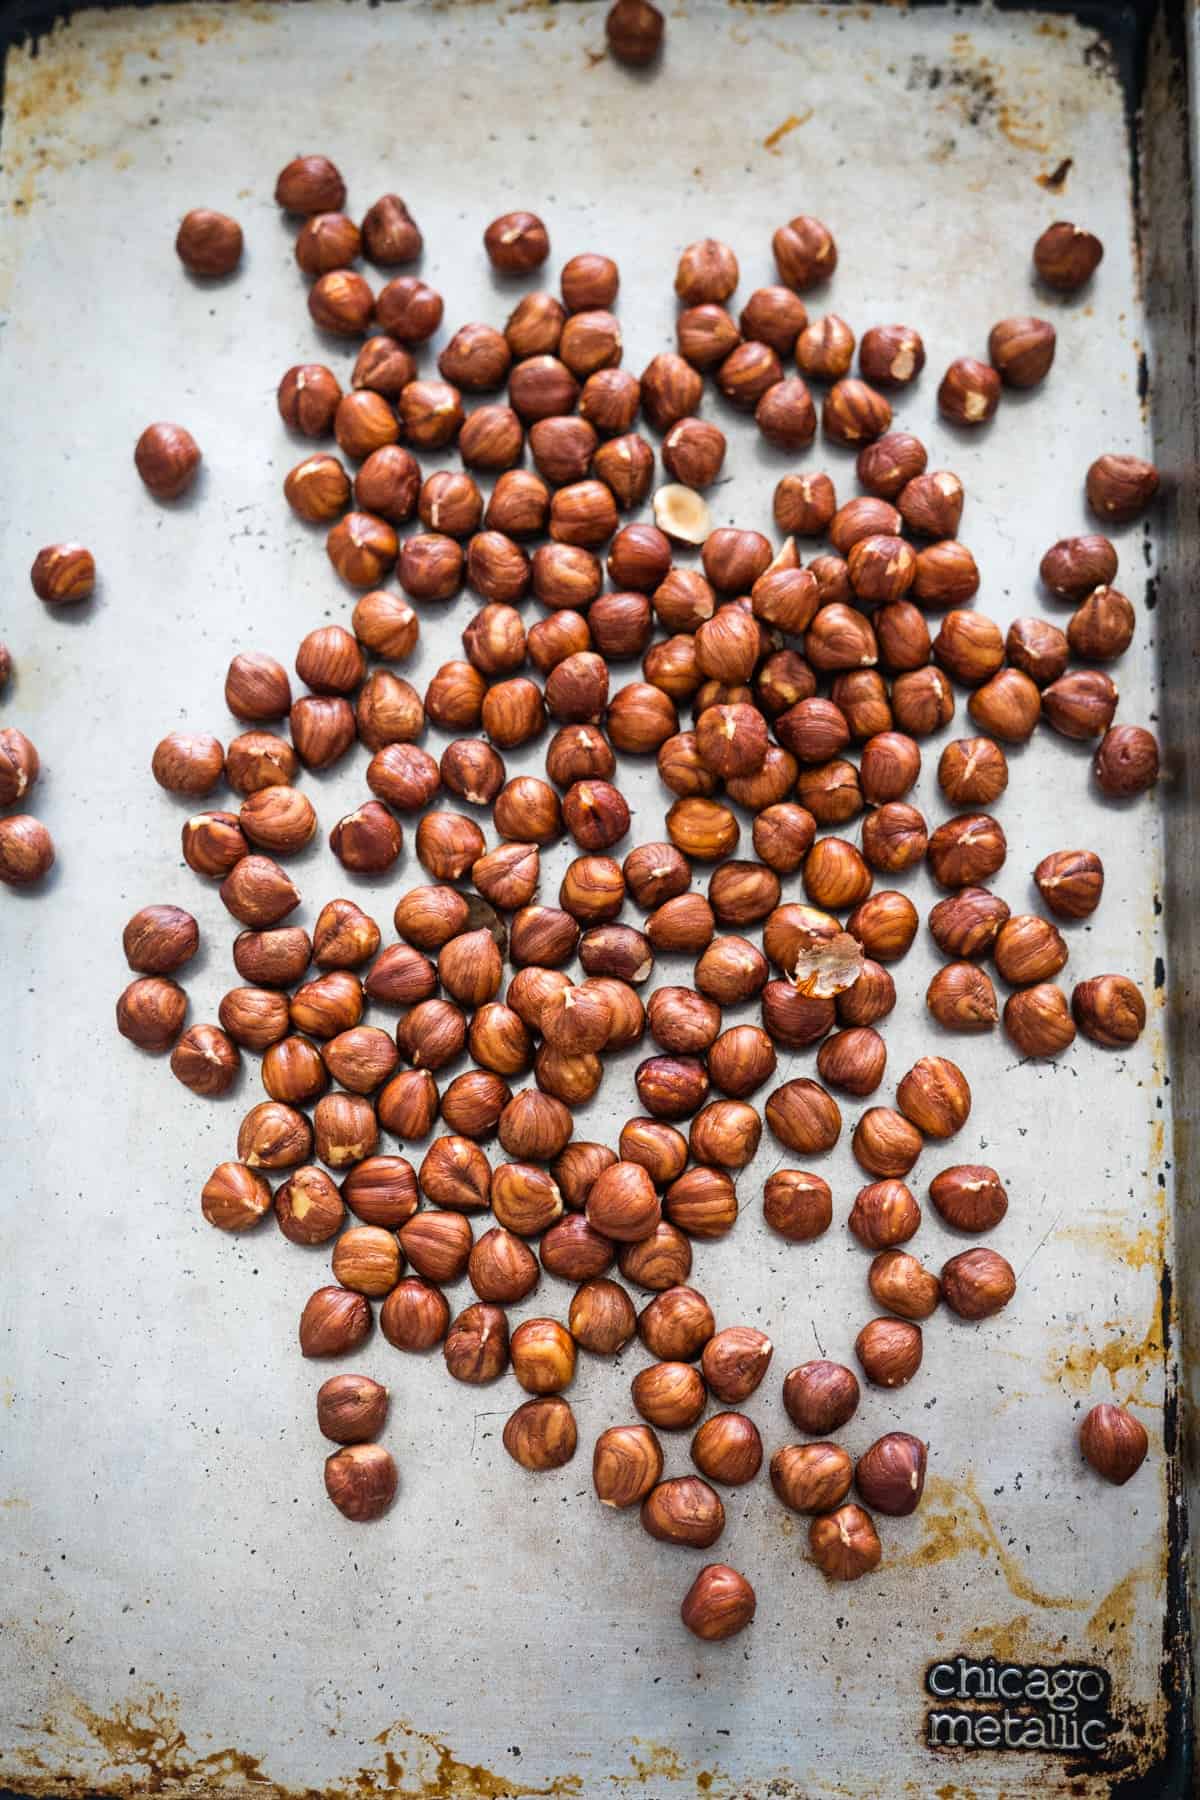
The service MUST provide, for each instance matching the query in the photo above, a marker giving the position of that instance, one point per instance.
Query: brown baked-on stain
(1055, 180)
(955, 1522)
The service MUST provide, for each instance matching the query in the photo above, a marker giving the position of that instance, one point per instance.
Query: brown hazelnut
(734, 1362)
(508, 878)
(401, 976)
(844, 1544)
(626, 465)
(494, 640)
(977, 1283)
(890, 1474)
(774, 316)
(854, 413)
(323, 729)
(1110, 1010)
(334, 1320)
(684, 925)
(234, 1198)
(1114, 1442)
(187, 762)
(969, 392)
(415, 1315)
(562, 448)
(208, 243)
(342, 303)
(367, 840)
(472, 770)
(859, 518)
(891, 355)
(167, 459)
(748, 373)
(362, 548)
(451, 502)
(797, 1205)
(448, 844)
(308, 398)
(626, 1464)
(382, 1190)
(529, 990)
(934, 1096)
(476, 1346)
(693, 452)
(258, 892)
(687, 1511)
(1126, 763)
(589, 280)
(853, 1060)
(660, 1261)
(366, 1259)
(804, 1117)
(329, 1004)
(670, 1395)
(640, 718)
(278, 818)
(671, 389)
(361, 1481)
(884, 1214)
(968, 922)
(968, 645)
(541, 387)
(881, 569)
(272, 958)
(310, 184)
(1120, 488)
(967, 849)
(535, 325)
(516, 243)
(345, 1129)
(364, 423)
(622, 1203)
(730, 971)
(727, 1448)
(470, 967)
(1038, 1020)
(811, 1477)
(725, 1134)
(274, 1136)
(546, 936)
(1073, 566)
(1066, 256)
(437, 1244)
(676, 1324)
(1028, 949)
(620, 624)
(541, 1434)
(574, 1250)
(454, 698)
(946, 574)
(591, 341)
(254, 1017)
(682, 1021)
(258, 759)
(360, 1059)
(805, 253)
(899, 1283)
(820, 1396)
(160, 939)
(628, 1014)
(969, 1196)
(1102, 626)
(597, 816)
(583, 514)
(961, 998)
(535, 1125)
(543, 1356)
(931, 504)
(578, 753)
(972, 771)
(904, 646)
(824, 348)
(742, 893)
(601, 1317)
(783, 835)
(390, 234)
(455, 1175)
(839, 637)
(886, 1143)
(871, 998)
(702, 1202)
(720, 1602)
(205, 1060)
(257, 688)
(1080, 704)
(835, 874)
(1022, 350)
(889, 1351)
(351, 1408)
(384, 366)
(476, 359)
(491, 439)
(887, 466)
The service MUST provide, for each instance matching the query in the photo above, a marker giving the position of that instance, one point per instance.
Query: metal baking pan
(182, 1611)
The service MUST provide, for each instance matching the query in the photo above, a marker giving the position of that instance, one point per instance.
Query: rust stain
(658, 1761)
(793, 121)
(955, 1522)
(1055, 180)
(1104, 1230)
(443, 1777)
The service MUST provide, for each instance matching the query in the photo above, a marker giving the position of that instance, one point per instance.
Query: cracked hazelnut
(415, 1315)
(884, 1214)
(626, 1463)
(727, 1448)
(476, 1347)
(1126, 763)
(1114, 1442)
(889, 1351)
(811, 1477)
(886, 1143)
(1109, 1009)
(969, 1196)
(601, 1317)
(541, 1434)
(797, 1205)
(977, 1283)
(899, 1283)
(1038, 1020)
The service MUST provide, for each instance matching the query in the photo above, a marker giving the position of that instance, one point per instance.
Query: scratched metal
(182, 1610)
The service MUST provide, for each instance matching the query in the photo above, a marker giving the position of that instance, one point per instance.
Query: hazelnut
(454, 698)
(893, 838)
(1066, 256)
(967, 849)
(968, 922)
(562, 448)
(187, 762)
(805, 253)
(597, 816)
(889, 1351)
(825, 348)
(686, 1511)
(589, 280)
(871, 998)
(591, 341)
(1110, 1010)
(329, 1004)
(735, 1361)
(344, 1129)
(676, 1324)
(601, 1317)
(499, 1040)
(970, 1197)
(961, 998)
(431, 413)
(804, 1117)
(382, 1190)
(1114, 1443)
(1080, 704)
(390, 234)
(892, 355)
(546, 936)
(520, 501)
(934, 1096)
(620, 624)
(508, 878)
(702, 1202)
(968, 645)
(476, 1345)
(626, 466)
(470, 967)
(535, 1125)
(725, 1134)
(362, 548)
(783, 835)
(1022, 350)
(208, 243)
(323, 729)
(535, 325)
(577, 753)
(205, 1060)
(274, 1136)
(342, 303)
(684, 925)
(670, 389)
(886, 1143)
(1073, 566)
(234, 1198)
(529, 990)
(574, 1251)
(660, 1261)
(835, 874)
(334, 1320)
(308, 1208)
(541, 387)
(730, 971)
(969, 392)
(640, 558)
(853, 1060)
(448, 844)
(367, 840)
(884, 1214)
(254, 1017)
(693, 454)
(811, 1478)
(541, 1434)
(451, 503)
(1102, 627)
(476, 359)
(728, 1449)
(308, 399)
(845, 1544)
(167, 459)
(622, 1203)
(946, 575)
(351, 1408)
(720, 1602)
(543, 1356)
(1120, 488)
(931, 504)
(415, 1316)
(367, 1259)
(888, 465)
(512, 712)
(670, 1395)
(742, 893)
(491, 439)
(862, 517)
(899, 1283)
(516, 243)
(278, 818)
(310, 184)
(159, 939)
(258, 892)
(1038, 1020)
(364, 423)
(471, 769)
(804, 504)
(1126, 762)
(854, 413)
(1028, 949)
(682, 1021)
(401, 976)
(361, 1058)
(972, 771)
(746, 375)
(437, 1244)
(272, 958)
(881, 569)
(361, 1481)
(62, 573)
(820, 1396)
(977, 1283)
(626, 1463)
(797, 1205)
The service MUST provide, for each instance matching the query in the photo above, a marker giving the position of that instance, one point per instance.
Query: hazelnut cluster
(791, 695)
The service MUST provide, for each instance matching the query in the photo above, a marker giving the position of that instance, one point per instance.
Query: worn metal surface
(182, 1610)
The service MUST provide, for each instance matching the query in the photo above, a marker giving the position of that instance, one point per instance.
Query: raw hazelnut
(361, 1481)
(516, 243)
(272, 958)
(209, 243)
(597, 816)
(601, 1317)
(622, 1203)
(541, 1434)
(626, 1463)
(969, 392)
(258, 892)
(431, 413)
(415, 1315)
(783, 835)
(344, 1129)
(968, 645)
(804, 504)
(797, 1205)
(476, 1345)
(620, 624)
(961, 998)
(804, 1117)
(351, 1408)
(977, 1283)
(820, 1396)
(342, 303)
(735, 1361)
(660, 1261)
(1126, 762)
(725, 1133)
(889, 1351)
(541, 387)
(1022, 350)
(562, 448)
(167, 459)
(972, 771)
(884, 1214)
(702, 1202)
(331, 1003)
(19, 767)
(472, 770)
(934, 1096)
(367, 1259)
(308, 399)
(730, 971)
(382, 1190)
(825, 348)
(1110, 1010)
(1038, 1020)
(278, 818)
(1073, 566)
(1120, 488)
(894, 837)
(693, 453)
(575, 1251)
(626, 466)
(871, 998)
(881, 569)
(670, 389)
(591, 341)
(862, 517)
(187, 762)
(310, 184)
(529, 990)
(891, 355)
(491, 439)
(970, 1197)
(931, 504)
(589, 280)
(746, 375)
(1028, 949)
(899, 1283)
(437, 1244)
(1114, 1443)
(1102, 627)
(835, 874)
(845, 1544)
(454, 698)
(885, 1143)
(966, 850)
(476, 359)
(968, 922)
(274, 1136)
(854, 412)
(520, 501)
(887, 466)
(853, 1060)
(676, 1324)
(455, 1175)
(205, 1060)
(63, 573)
(684, 925)
(742, 893)
(534, 326)
(720, 1602)
(254, 1017)
(323, 729)
(362, 548)
(811, 1478)
(805, 253)
(1066, 256)
(728, 1449)
(334, 1320)
(543, 1356)
(390, 234)
(327, 240)
(361, 1058)
(1080, 704)
(670, 1395)
(535, 1125)
(946, 574)
(234, 1198)
(686, 1511)
(367, 840)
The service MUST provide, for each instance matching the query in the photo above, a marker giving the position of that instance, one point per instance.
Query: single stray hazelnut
(1066, 256)
(719, 1603)
(1110, 1010)
(62, 573)
(1126, 762)
(361, 1481)
(634, 29)
(977, 1283)
(1114, 1442)
(1120, 488)
(208, 243)
(167, 459)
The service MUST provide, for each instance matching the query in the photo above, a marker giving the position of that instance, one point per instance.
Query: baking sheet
(183, 1610)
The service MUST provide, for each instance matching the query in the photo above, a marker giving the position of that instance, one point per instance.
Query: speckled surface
(181, 1607)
